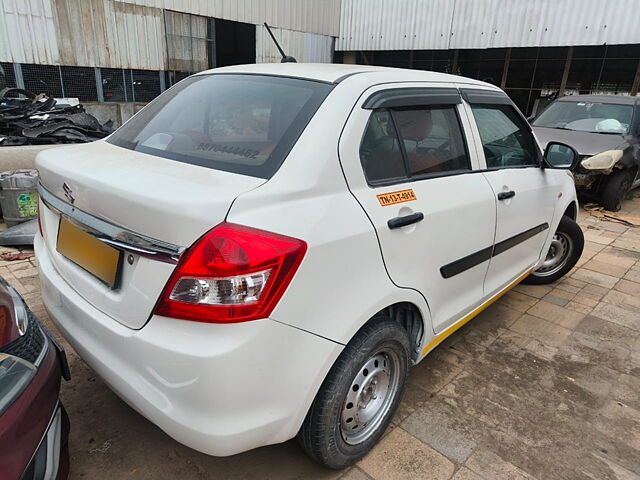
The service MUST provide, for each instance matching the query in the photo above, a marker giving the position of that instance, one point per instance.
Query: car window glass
(587, 117)
(506, 140)
(432, 139)
(238, 123)
(380, 150)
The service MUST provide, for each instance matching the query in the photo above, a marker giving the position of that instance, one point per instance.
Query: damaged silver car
(604, 129)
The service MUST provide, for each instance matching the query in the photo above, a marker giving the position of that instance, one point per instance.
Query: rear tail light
(231, 274)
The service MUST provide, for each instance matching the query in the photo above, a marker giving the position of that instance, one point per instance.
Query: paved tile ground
(545, 384)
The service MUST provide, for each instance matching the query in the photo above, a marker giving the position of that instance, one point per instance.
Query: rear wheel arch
(409, 316)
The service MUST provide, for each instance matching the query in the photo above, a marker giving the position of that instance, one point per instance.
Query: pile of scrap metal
(30, 119)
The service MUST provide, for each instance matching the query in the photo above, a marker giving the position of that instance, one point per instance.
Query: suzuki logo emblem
(68, 192)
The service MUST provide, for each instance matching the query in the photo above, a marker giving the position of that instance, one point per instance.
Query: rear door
(526, 194)
(405, 154)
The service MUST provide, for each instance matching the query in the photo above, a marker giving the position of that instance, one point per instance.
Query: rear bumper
(220, 389)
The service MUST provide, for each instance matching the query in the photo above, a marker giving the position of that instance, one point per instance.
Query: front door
(526, 194)
(408, 164)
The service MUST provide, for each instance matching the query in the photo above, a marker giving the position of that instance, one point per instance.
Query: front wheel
(565, 250)
(359, 397)
(615, 190)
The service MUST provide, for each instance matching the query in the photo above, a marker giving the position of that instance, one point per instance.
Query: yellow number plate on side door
(88, 252)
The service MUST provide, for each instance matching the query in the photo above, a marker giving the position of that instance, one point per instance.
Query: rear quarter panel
(342, 281)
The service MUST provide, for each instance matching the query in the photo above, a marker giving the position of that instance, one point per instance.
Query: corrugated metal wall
(305, 47)
(186, 42)
(449, 24)
(131, 33)
(28, 32)
(316, 16)
(101, 33)
(110, 34)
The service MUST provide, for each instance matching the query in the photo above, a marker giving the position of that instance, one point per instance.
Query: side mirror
(559, 155)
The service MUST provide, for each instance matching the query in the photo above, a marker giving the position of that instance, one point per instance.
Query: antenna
(285, 58)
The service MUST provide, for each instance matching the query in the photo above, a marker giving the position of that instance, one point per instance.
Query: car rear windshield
(587, 117)
(243, 124)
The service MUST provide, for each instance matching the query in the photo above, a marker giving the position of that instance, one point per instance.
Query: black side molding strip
(505, 245)
(470, 261)
(465, 263)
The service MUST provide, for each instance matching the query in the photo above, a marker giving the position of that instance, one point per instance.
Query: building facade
(534, 49)
(131, 50)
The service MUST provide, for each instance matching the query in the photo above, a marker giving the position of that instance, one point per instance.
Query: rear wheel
(565, 250)
(615, 190)
(359, 397)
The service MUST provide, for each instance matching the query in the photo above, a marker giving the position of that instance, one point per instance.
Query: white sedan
(264, 250)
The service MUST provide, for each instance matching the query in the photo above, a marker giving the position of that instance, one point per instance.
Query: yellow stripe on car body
(435, 341)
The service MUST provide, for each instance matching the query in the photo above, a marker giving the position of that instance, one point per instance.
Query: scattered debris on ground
(15, 254)
(27, 118)
(599, 212)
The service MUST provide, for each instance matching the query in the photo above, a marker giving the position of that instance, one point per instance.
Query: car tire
(615, 190)
(564, 252)
(368, 379)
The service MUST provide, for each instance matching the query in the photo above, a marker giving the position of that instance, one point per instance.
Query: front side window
(591, 117)
(238, 123)
(506, 140)
(410, 143)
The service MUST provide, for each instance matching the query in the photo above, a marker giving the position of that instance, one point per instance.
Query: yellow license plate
(86, 251)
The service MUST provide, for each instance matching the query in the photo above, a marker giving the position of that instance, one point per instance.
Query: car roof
(615, 99)
(336, 72)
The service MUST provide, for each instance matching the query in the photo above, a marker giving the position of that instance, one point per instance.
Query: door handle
(505, 195)
(398, 222)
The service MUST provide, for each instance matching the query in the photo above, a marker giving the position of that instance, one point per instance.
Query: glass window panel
(380, 151)
(432, 139)
(506, 140)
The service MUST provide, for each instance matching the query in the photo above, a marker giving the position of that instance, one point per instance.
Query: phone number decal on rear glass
(400, 196)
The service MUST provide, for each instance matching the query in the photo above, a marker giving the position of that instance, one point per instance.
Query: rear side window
(380, 149)
(401, 143)
(243, 124)
(506, 139)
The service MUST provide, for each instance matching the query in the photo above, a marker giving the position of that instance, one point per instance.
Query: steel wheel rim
(370, 396)
(557, 255)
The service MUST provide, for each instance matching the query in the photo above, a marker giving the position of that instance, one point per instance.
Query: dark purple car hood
(585, 143)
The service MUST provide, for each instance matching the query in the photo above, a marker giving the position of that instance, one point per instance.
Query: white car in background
(264, 250)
